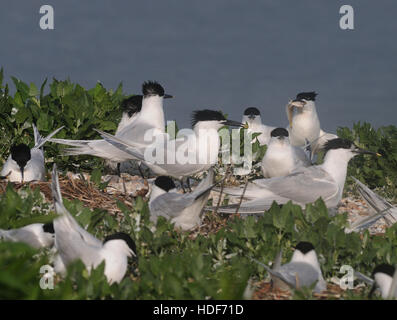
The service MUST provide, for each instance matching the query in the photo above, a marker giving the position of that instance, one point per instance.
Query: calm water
(222, 54)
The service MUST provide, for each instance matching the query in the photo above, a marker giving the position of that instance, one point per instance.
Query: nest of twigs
(83, 190)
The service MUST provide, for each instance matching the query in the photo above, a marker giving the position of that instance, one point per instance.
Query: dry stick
(242, 196)
(222, 187)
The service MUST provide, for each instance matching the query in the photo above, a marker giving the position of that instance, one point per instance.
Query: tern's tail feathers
(56, 192)
(122, 145)
(39, 141)
(3, 234)
(364, 278)
(376, 202)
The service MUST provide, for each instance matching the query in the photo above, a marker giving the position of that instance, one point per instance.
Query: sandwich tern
(304, 185)
(75, 243)
(181, 157)
(304, 124)
(281, 158)
(25, 164)
(385, 278)
(37, 235)
(252, 117)
(302, 271)
(147, 122)
(182, 209)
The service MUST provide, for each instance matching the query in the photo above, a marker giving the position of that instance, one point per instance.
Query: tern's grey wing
(170, 205)
(28, 237)
(39, 140)
(304, 185)
(176, 170)
(364, 278)
(61, 210)
(376, 202)
(301, 158)
(72, 246)
(298, 275)
(7, 167)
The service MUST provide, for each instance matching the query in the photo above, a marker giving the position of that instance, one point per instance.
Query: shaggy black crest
(337, 143)
(132, 105)
(309, 96)
(20, 154)
(206, 115)
(279, 132)
(384, 268)
(165, 183)
(122, 236)
(252, 110)
(152, 88)
(304, 247)
(49, 227)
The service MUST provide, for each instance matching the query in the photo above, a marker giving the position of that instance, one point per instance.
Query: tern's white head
(383, 276)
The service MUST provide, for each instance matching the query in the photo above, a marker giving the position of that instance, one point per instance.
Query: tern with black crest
(252, 117)
(142, 120)
(37, 235)
(304, 185)
(281, 158)
(304, 124)
(25, 164)
(75, 243)
(192, 153)
(182, 209)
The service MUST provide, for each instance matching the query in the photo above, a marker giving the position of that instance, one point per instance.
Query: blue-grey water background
(222, 54)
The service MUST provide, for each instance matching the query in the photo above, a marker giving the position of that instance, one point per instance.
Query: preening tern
(74, 243)
(304, 124)
(182, 209)
(196, 152)
(145, 124)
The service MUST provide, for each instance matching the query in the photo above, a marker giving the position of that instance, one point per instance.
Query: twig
(242, 196)
(228, 171)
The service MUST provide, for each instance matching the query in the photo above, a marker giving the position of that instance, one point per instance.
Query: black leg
(188, 184)
(140, 171)
(118, 169)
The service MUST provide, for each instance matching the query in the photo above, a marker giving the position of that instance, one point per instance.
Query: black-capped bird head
(165, 183)
(132, 105)
(279, 133)
(304, 247)
(383, 276)
(21, 155)
(215, 117)
(347, 147)
(304, 98)
(153, 88)
(124, 237)
(252, 113)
